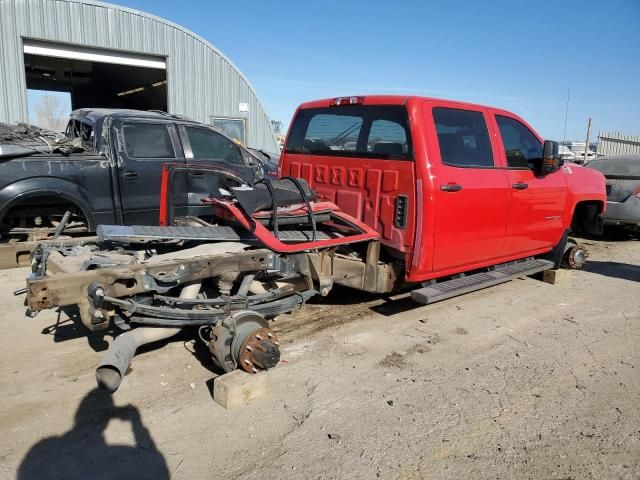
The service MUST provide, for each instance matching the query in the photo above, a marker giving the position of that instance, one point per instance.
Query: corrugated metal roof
(201, 81)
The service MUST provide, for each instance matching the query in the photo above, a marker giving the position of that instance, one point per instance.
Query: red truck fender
(586, 197)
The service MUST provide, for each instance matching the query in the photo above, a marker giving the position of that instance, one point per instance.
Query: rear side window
(211, 145)
(463, 138)
(81, 130)
(145, 140)
(522, 148)
(352, 131)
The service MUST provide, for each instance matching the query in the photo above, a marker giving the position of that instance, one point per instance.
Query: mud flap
(588, 219)
(595, 224)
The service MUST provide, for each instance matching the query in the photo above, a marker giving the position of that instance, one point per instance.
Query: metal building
(105, 55)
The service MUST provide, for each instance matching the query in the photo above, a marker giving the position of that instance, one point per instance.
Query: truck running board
(144, 234)
(499, 274)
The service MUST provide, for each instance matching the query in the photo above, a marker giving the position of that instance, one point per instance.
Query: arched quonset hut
(105, 55)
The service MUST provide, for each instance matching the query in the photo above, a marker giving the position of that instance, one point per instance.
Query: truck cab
(449, 186)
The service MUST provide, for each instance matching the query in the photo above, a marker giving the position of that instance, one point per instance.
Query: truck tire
(37, 217)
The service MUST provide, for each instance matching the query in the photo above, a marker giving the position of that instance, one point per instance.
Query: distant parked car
(578, 149)
(566, 154)
(622, 173)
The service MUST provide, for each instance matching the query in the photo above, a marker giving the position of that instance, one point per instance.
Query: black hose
(274, 204)
(303, 194)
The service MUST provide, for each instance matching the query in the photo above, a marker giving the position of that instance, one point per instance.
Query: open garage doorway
(97, 78)
(48, 109)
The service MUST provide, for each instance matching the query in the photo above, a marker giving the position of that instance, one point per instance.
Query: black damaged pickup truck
(106, 169)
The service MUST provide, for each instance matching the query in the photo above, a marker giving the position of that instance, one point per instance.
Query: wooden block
(557, 277)
(239, 388)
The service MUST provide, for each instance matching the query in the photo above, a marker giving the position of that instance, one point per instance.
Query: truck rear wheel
(575, 255)
(38, 218)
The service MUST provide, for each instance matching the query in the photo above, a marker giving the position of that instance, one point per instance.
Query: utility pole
(586, 146)
(566, 115)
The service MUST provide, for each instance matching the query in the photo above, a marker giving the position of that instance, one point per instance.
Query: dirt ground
(524, 380)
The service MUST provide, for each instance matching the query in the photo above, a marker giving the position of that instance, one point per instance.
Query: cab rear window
(352, 131)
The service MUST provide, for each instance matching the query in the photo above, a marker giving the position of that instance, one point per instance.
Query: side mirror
(551, 160)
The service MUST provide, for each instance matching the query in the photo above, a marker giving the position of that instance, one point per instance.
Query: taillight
(400, 213)
(337, 102)
(636, 192)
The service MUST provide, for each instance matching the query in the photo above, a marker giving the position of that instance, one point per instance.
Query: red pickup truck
(449, 186)
(377, 193)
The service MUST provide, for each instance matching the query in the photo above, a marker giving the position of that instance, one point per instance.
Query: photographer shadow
(83, 452)
(69, 326)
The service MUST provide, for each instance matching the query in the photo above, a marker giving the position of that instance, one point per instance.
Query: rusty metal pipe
(63, 224)
(116, 361)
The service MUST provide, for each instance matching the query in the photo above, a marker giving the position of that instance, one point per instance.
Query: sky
(520, 55)
(34, 97)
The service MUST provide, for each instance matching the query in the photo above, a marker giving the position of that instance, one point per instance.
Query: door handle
(520, 186)
(451, 187)
(130, 175)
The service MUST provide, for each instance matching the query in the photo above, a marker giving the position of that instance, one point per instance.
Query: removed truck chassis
(216, 279)
(270, 247)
